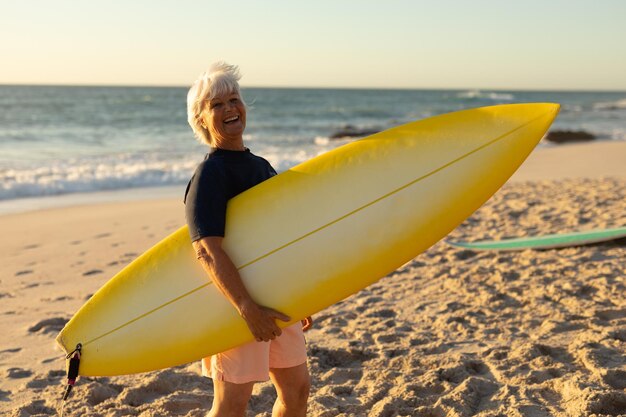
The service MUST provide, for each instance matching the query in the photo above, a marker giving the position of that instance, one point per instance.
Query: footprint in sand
(497, 353)
(386, 339)
(609, 404)
(16, 373)
(36, 407)
(52, 378)
(60, 298)
(464, 255)
(180, 404)
(161, 385)
(342, 375)
(557, 354)
(468, 368)
(609, 315)
(92, 272)
(368, 303)
(615, 378)
(542, 375)
(417, 341)
(11, 350)
(339, 358)
(102, 235)
(604, 361)
(52, 325)
(56, 373)
(23, 272)
(385, 313)
(31, 247)
(617, 334)
(467, 396)
(342, 390)
(42, 382)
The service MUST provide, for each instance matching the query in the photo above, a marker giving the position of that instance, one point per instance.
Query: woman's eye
(216, 105)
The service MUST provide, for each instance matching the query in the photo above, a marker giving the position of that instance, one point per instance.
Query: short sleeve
(205, 203)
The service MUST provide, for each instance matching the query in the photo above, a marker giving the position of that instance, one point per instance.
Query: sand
(452, 333)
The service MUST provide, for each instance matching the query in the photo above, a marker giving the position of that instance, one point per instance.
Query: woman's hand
(262, 321)
(307, 323)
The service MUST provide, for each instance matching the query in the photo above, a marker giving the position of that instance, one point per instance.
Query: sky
(433, 44)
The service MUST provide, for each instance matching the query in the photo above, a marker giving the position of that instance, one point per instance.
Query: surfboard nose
(550, 110)
(521, 113)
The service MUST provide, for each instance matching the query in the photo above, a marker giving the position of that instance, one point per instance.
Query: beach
(454, 332)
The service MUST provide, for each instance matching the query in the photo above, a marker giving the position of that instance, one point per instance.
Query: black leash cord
(72, 372)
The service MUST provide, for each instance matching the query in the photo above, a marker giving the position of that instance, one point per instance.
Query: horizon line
(556, 90)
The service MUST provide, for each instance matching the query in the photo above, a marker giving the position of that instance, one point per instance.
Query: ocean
(57, 140)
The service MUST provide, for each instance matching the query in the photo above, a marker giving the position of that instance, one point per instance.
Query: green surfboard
(563, 240)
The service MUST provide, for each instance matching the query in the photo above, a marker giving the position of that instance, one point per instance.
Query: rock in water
(566, 136)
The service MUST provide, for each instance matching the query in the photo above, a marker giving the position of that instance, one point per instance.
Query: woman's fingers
(263, 326)
(277, 314)
(307, 323)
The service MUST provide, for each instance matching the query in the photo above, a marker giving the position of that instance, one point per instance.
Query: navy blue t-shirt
(222, 175)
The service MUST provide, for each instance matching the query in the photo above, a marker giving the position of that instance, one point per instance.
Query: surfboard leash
(72, 373)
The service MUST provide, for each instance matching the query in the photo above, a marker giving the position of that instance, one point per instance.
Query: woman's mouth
(231, 119)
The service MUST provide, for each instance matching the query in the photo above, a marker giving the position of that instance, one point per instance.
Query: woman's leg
(292, 385)
(229, 399)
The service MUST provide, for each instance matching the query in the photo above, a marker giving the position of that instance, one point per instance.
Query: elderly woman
(217, 115)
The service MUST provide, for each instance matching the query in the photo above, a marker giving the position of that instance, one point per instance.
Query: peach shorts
(251, 362)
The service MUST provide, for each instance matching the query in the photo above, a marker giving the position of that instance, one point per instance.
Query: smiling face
(225, 118)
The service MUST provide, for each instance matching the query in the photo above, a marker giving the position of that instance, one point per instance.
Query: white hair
(220, 79)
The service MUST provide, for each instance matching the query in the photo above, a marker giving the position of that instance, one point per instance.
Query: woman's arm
(260, 320)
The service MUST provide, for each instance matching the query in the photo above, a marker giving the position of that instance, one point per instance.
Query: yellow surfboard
(308, 237)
